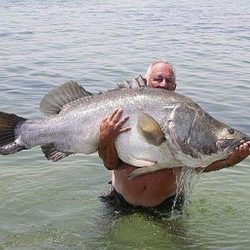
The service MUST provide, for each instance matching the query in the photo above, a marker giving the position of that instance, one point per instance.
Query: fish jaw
(237, 143)
(229, 141)
(225, 148)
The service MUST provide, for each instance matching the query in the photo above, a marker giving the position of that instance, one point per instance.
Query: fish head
(216, 140)
(229, 138)
(198, 137)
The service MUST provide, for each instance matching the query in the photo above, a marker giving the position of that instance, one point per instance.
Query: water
(98, 43)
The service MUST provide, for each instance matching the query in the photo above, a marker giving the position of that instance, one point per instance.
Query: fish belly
(133, 149)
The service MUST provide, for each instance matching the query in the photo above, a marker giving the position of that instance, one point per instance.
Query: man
(154, 190)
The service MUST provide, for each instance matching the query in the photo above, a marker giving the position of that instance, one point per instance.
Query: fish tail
(8, 125)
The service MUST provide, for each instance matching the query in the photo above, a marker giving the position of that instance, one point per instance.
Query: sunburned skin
(151, 189)
(148, 190)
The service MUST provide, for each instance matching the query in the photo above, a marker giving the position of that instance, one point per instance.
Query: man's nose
(164, 83)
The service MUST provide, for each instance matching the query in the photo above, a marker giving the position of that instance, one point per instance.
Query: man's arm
(110, 128)
(239, 154)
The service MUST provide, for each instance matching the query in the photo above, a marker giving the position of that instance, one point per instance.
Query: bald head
(161, 74)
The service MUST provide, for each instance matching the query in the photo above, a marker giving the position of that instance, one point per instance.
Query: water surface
(46, 205)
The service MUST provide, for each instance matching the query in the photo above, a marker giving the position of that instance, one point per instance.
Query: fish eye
(231, 131)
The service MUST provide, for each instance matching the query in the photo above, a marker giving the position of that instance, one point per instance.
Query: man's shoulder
(137, 82)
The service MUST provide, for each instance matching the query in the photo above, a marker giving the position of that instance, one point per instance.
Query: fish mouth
(237, 143)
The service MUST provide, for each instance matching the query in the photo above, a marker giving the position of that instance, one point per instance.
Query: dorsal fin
(135, 83)
(150, 129)
(57, 98)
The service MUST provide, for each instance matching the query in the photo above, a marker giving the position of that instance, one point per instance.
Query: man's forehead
(161, 68)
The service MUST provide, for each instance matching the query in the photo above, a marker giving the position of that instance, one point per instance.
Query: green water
(46, 205)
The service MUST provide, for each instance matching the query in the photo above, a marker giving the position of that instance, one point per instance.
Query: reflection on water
(46, 205)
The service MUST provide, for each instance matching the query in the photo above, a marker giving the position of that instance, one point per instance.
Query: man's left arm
(239, 154)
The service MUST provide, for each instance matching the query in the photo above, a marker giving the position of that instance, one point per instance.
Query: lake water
(46, 205)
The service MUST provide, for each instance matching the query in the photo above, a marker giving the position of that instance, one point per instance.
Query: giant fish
(168, 130)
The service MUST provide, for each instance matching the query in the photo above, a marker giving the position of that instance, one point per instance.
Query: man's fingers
(117, 116)
(242, 150)
(104, 119)
(247, 144)
(244, 146)
(122, 121)
(113, 114)
(125, 129)
(115, 122)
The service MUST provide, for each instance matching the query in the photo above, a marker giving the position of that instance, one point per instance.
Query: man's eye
(158, 79)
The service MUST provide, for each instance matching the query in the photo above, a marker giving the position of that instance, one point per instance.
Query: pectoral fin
(140, 162)
(51, 153)
(150, 169)
(150, 129)
(143, 170)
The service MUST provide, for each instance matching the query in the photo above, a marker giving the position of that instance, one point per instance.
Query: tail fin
(8, 125)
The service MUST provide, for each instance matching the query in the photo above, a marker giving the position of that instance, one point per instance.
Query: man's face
(162, 76)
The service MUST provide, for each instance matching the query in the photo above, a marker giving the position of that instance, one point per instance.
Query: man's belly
(147, 190)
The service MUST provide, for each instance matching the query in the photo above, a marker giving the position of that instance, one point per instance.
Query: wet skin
(151, 189)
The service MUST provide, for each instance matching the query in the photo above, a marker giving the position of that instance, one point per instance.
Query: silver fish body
(191, 137)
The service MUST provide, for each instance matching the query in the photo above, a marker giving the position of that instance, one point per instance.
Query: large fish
(168, 129)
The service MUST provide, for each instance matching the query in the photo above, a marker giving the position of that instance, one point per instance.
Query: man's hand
(110, 128)
(239, 154)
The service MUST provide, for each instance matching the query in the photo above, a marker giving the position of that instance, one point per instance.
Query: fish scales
(167, 129)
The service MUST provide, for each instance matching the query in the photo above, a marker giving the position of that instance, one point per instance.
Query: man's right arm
(110, 128)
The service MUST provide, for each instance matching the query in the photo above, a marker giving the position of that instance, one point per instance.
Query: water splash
(186, 180)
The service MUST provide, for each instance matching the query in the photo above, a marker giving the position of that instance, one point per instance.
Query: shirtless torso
(148, 190)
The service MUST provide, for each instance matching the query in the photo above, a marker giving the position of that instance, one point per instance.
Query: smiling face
(161, 76)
